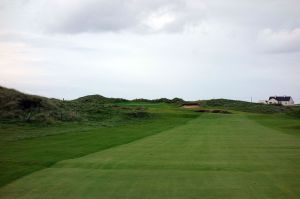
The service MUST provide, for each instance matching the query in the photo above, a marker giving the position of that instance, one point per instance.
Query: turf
(211, 156)
(26, 148)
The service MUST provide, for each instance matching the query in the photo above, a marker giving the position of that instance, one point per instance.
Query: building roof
(280, 98)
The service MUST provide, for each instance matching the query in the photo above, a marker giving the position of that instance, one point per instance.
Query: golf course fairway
(212, 156)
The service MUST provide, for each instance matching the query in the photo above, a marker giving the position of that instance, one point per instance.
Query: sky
(192, 49)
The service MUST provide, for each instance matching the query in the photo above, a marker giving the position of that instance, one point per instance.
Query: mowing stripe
(213, 156)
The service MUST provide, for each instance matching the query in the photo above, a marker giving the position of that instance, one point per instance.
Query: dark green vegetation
(19, 107)
(245, 106)
(152, 149)
(294, 113)
(212, 111)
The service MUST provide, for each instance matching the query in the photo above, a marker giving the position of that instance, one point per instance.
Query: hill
(21, 107)
(162, 100)
(15, 105)
(245, 106)
(98, 99)
(18, 106)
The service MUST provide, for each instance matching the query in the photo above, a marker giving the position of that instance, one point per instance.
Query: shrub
(294, 113)
(138, 114)
(245, 106)
(30, 103)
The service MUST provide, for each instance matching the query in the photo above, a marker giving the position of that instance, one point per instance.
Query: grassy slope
(213, 156)
(244, 106)
(281, 122)
(27, 148)
(16, 107)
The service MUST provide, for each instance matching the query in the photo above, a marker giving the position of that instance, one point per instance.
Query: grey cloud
(134, 15)
(101, 15)
(120, 15)
(256, 13)
(279, 41)
(79, 16)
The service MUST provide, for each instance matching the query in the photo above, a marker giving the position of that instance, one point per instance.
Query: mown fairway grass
(28, 148)
(211, 156)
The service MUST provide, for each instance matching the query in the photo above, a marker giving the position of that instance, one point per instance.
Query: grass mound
(15, 105)
(245, 106)
(175, 100)
(20, 107)
(98, 99)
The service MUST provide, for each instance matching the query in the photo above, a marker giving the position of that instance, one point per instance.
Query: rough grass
(245, 106)
(213, 156)
(19, 107)
(280, 122)
(295, 113)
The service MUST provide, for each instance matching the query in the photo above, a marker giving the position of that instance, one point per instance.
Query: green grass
(280, 122)
(172, 155)
(26, 148)
(98, 147)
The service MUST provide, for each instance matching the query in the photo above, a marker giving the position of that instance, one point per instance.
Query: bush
(202, 111)
(213, 111)
(294, 113)
(220, 111)
(245, 106)
(30, 103)
(138, 114)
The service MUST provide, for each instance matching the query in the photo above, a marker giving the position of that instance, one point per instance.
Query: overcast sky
(193, 49)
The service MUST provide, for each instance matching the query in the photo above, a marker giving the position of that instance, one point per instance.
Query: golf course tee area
(176, 154)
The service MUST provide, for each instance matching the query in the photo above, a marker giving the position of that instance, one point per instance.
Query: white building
(284, 100)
